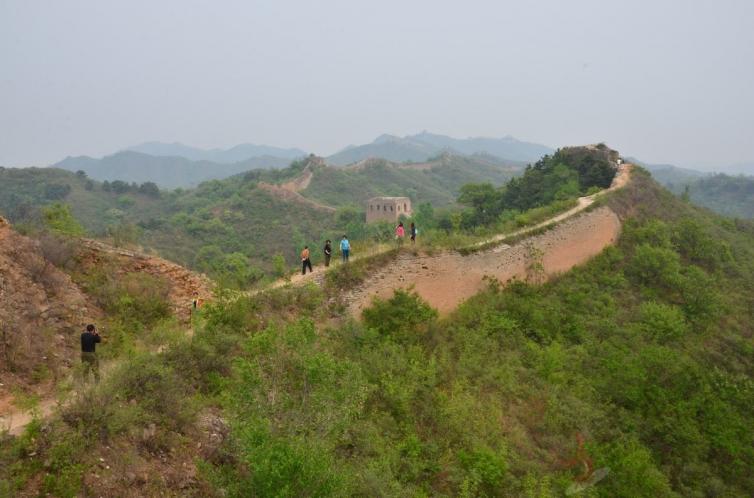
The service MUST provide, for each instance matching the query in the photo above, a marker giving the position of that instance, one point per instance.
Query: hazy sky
(666, 81)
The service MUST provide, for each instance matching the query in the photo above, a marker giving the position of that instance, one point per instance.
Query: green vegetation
(725, 194)
(437, 182)
(232, 229)
(639, 362)
(59, 220)
(728, 195)
(567, 174)
(24, 192)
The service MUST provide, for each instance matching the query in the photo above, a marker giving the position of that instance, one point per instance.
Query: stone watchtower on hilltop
(388, 208)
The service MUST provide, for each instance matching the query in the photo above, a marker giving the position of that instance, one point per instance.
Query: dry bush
(16, 344)
(40, 270)
(59, 251)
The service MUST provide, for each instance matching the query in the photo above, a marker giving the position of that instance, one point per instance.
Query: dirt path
(301, 182)
(450, 258)
(446, 280)
(290, 191)
(620, 180)
(14, 420)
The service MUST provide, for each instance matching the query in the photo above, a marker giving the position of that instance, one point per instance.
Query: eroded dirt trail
(446, 280)
(14, 420)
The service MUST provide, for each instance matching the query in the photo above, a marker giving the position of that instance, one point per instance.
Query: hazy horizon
(666, 82)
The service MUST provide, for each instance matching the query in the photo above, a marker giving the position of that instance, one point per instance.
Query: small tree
(535, 268)
(59, 219)
(279, 266)
(124, 234)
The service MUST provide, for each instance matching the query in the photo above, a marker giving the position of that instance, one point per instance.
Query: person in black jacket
(328, 252)
(89, 340)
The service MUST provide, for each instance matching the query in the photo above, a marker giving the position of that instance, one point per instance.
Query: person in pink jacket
(399, 233)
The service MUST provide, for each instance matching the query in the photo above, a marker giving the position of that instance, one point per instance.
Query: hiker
(413, 232)
(305, 261)
(399, 233)
(89, 340)
(345, 249)
(328, 252)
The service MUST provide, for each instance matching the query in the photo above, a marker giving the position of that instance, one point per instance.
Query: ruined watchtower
(387, 208)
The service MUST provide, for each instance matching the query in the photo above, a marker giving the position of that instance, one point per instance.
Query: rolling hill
(729, 195)
(436, 181)
(246, 214)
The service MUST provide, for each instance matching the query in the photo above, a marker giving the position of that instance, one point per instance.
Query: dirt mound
(183, 284)
(41, 314)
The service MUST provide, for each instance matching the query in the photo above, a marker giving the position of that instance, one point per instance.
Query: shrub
(702, 302)
(633, 472)
(59, 251)
(485, 470)
(662, 322)
(142, 297)
(403, 316)
(58, 218)
(657, 267)
(135, 299)
(696, 244)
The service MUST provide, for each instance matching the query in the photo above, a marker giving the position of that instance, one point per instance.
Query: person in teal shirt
(345, 249)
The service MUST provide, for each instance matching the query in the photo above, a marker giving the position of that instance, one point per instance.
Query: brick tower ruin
(388, 208)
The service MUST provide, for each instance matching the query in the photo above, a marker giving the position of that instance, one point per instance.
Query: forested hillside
(628, 377)
(725, 194)
(568, 173)
(234, 229)
(436, 181)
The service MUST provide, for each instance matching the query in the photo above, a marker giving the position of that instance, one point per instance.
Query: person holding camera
(89, 340)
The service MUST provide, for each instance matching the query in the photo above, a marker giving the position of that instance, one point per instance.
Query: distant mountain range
(235, 154)
(423, 146)
(165, 171)
(172, 165)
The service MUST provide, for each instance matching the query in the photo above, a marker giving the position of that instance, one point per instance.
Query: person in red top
(399, 233)
(305, 261)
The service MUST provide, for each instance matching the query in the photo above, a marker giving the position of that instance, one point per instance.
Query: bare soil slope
(41, 314)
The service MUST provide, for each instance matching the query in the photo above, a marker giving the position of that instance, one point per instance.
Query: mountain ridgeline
(232, 155)
(422, 146)
(174, 165)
